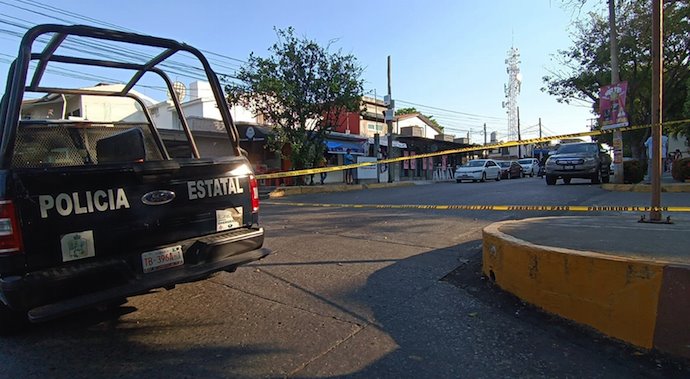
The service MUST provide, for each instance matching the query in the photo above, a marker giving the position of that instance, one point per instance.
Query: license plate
(161, 259)
(569, 167)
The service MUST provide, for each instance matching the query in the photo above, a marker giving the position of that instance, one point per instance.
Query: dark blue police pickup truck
(94, 210)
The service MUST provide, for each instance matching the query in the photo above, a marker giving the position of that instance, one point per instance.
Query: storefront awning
(383, 141)
(340, 147)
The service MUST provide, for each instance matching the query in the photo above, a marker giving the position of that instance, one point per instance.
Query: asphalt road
(349, 292)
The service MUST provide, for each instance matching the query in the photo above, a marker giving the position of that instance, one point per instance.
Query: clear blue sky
(445, 54)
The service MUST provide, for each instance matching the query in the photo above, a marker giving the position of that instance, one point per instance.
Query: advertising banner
(612, 105)
(406, 163)
(413, 162)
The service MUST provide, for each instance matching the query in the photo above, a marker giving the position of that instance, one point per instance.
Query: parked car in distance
(530, 166)
(510, 169)
(586, 160)
(478, 170)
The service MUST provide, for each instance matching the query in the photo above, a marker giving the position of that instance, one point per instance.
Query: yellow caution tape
(311, 171)
(543, 208)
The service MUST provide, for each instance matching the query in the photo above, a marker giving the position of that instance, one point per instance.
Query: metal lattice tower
(512, 90)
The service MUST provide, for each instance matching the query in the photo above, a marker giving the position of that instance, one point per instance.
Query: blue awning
(340, 147)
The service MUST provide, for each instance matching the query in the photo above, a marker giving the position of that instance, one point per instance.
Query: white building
(87, 107)
(416, 125)
(199, 103)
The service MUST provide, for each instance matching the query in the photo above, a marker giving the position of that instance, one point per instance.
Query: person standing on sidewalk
(347, 160)
(321, 164)
(650, 152)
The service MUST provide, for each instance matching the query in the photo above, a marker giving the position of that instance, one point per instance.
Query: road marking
(503, 208)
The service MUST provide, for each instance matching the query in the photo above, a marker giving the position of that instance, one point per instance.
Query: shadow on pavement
(100, 344)
(459, 325)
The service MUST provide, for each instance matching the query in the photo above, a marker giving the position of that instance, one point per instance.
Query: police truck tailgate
(81, 213)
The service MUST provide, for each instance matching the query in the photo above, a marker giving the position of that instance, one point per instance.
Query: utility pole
(615, 78)
(539, 127)
(485, 154)
(657, 101)
(518, 131)
(389, 122)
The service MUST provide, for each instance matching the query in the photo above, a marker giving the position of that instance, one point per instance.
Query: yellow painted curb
(616, 295)
(387, 185)
(675, 187)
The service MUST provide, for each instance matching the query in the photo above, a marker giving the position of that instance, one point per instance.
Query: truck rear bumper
(47, 294)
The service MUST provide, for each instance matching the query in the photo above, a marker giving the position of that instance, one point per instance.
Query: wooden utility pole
(389, 123)
(657, 101)
(615, 78)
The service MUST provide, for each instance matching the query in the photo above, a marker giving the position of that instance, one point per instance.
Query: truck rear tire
(550, 180)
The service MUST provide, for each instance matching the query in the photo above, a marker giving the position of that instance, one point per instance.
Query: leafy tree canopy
(586, 65)
(412, 110)
(301, 89)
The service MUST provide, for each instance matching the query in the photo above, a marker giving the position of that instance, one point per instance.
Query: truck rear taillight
(10, 234)
(254, 188)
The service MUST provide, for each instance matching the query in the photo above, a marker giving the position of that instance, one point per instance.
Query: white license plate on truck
(161, 259)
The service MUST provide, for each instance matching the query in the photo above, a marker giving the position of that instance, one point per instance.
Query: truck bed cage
(18, 73)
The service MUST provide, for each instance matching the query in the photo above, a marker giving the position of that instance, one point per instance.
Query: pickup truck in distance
(585, 160)
(96, 204)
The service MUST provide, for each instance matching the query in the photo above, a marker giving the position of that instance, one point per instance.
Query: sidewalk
(668, 184)
(627, 279)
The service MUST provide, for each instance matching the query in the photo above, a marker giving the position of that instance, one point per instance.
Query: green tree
(586, 64)
(402, 111)
(302, 89)
(413, 110)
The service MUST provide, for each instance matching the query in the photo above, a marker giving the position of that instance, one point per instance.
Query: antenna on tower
(512, 90)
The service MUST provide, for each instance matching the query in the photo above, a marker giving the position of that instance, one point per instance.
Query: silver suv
(586, 160)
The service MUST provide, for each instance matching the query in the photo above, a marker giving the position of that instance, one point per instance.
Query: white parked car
(530, 166)
(478, 170)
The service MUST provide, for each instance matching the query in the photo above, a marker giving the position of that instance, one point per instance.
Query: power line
(478, 116)
(108, 24)
(109, 46)
(105, 50)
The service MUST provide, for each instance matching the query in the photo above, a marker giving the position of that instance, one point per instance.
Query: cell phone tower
(512, 90)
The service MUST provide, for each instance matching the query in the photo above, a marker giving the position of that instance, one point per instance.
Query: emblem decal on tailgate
(77, 246)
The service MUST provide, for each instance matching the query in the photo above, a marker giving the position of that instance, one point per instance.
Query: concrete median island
(630, 281)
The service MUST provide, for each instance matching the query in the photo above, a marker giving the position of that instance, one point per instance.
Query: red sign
(612, 105)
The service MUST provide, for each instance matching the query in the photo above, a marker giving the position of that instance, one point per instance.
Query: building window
(377, 128)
